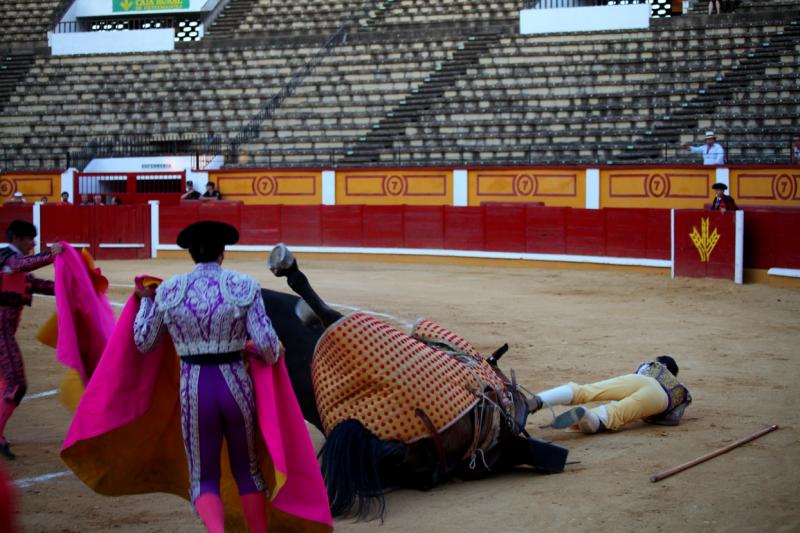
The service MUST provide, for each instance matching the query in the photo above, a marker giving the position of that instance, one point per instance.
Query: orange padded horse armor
(367, 370)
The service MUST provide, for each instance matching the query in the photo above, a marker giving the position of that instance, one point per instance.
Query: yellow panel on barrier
(33, 186)
(656, 187)
(774, 186)
(394, 187)
(265, 187)
(557, 187)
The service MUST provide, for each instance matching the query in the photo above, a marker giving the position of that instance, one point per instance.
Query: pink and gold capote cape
(83, 318)
(126, 438)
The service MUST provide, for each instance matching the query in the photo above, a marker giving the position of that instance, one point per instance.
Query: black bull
(354, 461)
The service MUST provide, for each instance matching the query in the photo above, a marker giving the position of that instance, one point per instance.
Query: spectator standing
(85, 200)
(796, 149)
(98, 199)
(211, 192)
(190, 193)
(714, 4)
(713, 152)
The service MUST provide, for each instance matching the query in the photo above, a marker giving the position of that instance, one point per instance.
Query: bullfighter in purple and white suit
(210, 313)
(17, 290)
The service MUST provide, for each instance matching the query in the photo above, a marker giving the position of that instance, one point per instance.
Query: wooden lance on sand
(711, 455)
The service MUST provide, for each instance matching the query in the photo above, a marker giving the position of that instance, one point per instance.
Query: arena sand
(737, 347)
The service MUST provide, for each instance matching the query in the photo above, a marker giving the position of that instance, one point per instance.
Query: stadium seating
(419, 82)
(25, 22)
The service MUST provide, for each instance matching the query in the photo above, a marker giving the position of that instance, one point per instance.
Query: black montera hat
(21, 228)
(720, 186)
(207, 232)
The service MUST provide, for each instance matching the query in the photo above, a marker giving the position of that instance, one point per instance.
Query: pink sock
(255, 511)
(209, 507)
(6, 409)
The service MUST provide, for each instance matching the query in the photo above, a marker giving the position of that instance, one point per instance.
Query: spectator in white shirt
(713, 153)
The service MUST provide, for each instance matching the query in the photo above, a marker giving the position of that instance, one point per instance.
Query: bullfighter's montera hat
(21, 228)
(207, 232)
(720, 186)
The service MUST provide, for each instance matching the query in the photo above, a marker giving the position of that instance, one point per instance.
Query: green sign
(137, 6)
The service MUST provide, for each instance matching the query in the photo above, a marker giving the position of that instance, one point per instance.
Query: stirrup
(281, 260)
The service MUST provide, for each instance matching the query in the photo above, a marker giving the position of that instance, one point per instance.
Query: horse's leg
(282, 263)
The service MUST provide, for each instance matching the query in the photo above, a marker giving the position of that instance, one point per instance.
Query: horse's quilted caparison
(367, 370)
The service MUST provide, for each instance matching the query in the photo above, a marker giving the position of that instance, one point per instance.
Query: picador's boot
(569, 418)
(281, 260)
(590, 423)
(586, 420)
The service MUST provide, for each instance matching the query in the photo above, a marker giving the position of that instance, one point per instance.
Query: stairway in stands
(393, 126)
(12, 69)
(226, 24)
(667, 131)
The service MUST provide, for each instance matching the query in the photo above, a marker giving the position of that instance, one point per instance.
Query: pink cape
(125, 437)
(85, 318)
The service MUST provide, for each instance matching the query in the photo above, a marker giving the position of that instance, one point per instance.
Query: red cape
(126, 438)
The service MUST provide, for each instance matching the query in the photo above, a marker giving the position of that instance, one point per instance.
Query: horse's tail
(351, 458)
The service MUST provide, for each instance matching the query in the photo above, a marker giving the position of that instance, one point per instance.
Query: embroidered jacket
(677, 393)
(16, 286)
(207, 311)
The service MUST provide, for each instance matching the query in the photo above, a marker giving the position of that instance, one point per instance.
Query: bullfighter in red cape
(134, 423)
(17, 289)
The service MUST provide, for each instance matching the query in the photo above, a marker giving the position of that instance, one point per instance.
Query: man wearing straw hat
(713, 152)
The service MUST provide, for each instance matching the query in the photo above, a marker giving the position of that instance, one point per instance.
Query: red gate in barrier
(110, 232)
(705, 244)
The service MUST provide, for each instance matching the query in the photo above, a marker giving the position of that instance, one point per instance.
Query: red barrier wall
(638, 233)
(463, 228)
(771, 238)
(112, 232)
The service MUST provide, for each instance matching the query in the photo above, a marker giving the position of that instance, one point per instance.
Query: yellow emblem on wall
(704, 242)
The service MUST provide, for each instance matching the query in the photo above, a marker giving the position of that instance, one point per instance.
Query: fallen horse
(397, 409)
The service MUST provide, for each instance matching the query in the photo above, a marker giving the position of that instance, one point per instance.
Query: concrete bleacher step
(231, 18)
(738, 77)
(393, 125)
(13, 68)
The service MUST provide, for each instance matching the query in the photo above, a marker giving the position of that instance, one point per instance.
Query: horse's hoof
(281, 260)
(569, 418)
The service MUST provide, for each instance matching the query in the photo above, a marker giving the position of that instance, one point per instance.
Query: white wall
(141, 164)
(111, 42)
(584, 18)
(155, 164)
(67, 182)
